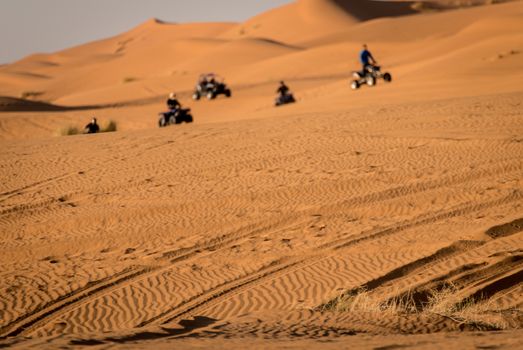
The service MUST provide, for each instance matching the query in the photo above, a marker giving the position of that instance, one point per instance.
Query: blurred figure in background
(172, 103)
(92, 127)
(366, 59)
(282, 89)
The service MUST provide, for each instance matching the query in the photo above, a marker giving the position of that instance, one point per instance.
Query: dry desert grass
(470, 314)
(110, 126)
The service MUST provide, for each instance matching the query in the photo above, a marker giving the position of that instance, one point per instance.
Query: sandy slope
(251, 222)
(308, 19)
(458, 53)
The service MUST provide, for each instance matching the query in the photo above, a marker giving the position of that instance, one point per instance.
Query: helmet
(172, 95)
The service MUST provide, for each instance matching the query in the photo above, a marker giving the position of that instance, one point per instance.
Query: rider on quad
(202, 83)
(210, 85)
(282, 89)
(284, 95)
(366, 59)
(176, 114)
(370, 72)
(173, 103)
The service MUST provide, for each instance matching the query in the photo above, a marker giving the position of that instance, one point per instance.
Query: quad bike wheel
(387, 77)
(228, 93)
(210, 95)
(161, 122)
(371, 81)
(196, 96)
(188, 118)
(355, 85)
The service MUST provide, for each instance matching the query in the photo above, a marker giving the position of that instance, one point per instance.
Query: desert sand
(386, 217)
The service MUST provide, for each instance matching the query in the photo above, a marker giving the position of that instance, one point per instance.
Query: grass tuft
(111, 126)
(444, 301)
(365, 301)
(31, 95)
(69, 130)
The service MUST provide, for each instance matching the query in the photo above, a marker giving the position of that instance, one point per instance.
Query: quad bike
(210, 85)
(284, 99)
(371, 76)
(177, 116)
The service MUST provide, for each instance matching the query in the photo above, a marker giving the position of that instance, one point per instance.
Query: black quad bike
(370, 77)
(175, 117)
(284, 99)
(210, 86)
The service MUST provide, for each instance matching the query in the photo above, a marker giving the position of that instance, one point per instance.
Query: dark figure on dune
(92, 127)
(366, 59)
(284, 95)
(282, 89)
(172, 102)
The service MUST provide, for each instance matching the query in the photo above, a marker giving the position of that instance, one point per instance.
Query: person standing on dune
(366, 59)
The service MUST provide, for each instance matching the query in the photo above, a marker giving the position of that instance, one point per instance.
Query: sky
(31, 26)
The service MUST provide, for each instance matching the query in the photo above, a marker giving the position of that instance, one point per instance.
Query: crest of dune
(304, 20)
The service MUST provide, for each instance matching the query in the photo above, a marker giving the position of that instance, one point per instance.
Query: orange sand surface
(386, 217)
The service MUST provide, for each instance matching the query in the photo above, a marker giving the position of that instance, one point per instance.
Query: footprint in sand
(59, 326)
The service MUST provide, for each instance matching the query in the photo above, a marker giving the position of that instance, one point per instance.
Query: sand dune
(139, 63)
(314, 18)
(367, 217)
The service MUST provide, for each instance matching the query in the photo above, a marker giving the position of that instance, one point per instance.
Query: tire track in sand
(18, 191)
(214, 296)
(40, 317)
(34, 320)
(485, 278)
